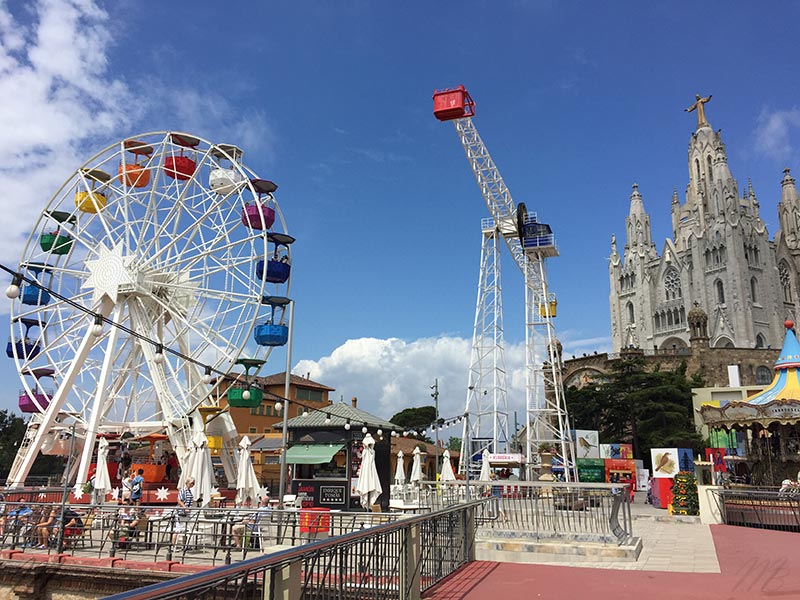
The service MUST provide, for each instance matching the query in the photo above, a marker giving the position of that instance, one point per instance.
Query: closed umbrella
(416, 466)
(246, 481)
(199, 467)
(447, 469)
(400, 471)
(368, 486)
(102, 481)
(486, 470)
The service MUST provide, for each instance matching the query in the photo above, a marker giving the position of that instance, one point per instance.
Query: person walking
(185, 501)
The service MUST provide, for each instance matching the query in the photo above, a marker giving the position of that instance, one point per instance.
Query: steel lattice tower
(487, 403)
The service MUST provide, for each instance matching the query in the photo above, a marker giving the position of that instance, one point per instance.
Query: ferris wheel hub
(110, 273)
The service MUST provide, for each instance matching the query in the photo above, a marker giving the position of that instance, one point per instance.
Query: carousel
(766, 424)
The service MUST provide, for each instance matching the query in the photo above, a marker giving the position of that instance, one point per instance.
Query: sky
(576, 101)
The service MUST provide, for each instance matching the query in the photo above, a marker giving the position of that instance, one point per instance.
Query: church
(720, 261)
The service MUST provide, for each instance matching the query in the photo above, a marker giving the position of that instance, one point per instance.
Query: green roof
(311, 454)
(339, 413)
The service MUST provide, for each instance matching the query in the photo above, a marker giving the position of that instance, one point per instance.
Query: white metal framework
(158, 244)
(547, 420)
(487, 403)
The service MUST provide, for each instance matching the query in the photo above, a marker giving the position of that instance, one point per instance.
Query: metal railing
(588, 511)
(395, 560)
(198, 535)
(759, 508)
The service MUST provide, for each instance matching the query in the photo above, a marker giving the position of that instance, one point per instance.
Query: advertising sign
(665, 462)
(587, 443)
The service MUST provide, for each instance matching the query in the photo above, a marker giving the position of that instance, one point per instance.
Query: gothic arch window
(710, 172)
(754, 290)
(631, 313)
(785, 279)
(657, 320)
(672, 284)
(760, 343)
(697, 166)
(763, 376)
(724, 342)
(708, 258)
(720, 288)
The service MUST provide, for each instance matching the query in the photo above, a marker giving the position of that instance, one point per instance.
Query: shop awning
(311, 454)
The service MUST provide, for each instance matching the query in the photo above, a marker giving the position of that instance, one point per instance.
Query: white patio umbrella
(447, 469)
(486, 469)
(102, 481)
(416, 466)
(199, 467)
(400, 471)
(246, 480)
(368, 486)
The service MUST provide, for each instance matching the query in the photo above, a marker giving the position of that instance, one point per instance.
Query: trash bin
(315, 520)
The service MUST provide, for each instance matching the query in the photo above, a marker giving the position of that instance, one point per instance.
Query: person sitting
(44, 528)
(72, 523)
(249, 525)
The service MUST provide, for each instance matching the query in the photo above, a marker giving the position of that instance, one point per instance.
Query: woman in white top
(127, 485)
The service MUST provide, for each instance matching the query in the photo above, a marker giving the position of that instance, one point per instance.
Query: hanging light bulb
(159, 357)
(246, 395)
(207, 375)
(97, 328)
(278, 406)
(380, 432)
(364, 429)
(12, 291)
(327, 419)
(347, 425)
(305, 413)
(405, 434)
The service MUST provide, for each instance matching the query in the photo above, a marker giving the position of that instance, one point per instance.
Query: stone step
(536, 551)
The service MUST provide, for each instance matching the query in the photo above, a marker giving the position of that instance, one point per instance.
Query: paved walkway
(689, 561)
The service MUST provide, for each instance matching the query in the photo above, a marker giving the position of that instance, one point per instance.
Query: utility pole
(435, 396)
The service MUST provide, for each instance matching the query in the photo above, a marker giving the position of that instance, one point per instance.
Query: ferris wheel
(161, 260)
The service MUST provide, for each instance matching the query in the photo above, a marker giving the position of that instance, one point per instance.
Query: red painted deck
(754, 564)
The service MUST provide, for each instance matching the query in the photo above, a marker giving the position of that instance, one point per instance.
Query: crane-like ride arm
(529, 242)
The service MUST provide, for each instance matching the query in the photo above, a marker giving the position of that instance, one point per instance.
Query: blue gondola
(271, 333)
(34, 296)
(26, 348)
(278, 265)
(277, 271)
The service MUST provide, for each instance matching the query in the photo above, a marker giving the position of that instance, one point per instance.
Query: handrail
(194, 581)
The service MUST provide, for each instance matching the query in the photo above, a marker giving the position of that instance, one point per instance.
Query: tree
(12, 430)
(454, 443)
(649, 409)
(417, 419)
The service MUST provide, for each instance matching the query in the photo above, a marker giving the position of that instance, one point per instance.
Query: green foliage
(454, 443)
(12, 430)
(417, 418)
(649, 409)
(685, 500)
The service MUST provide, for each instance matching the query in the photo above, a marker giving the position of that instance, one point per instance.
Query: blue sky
(332, 100)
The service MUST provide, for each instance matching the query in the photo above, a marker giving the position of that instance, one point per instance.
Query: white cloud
(774, 130)
(388, 375)
(61, 101)
(56, 97)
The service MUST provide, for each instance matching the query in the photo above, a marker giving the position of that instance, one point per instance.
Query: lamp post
(284, 431)
(435, 396)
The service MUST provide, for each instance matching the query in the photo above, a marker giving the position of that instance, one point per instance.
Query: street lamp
(435, 396)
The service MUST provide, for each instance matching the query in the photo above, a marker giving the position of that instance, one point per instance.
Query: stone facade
(720, 259)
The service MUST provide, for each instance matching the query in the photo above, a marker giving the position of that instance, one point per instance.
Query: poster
(686, 459)
(616, 451)
(587, 443)
(665, 462)
(715, 456)
(626, 450)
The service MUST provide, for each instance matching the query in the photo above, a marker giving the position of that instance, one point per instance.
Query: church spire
(637, 224)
